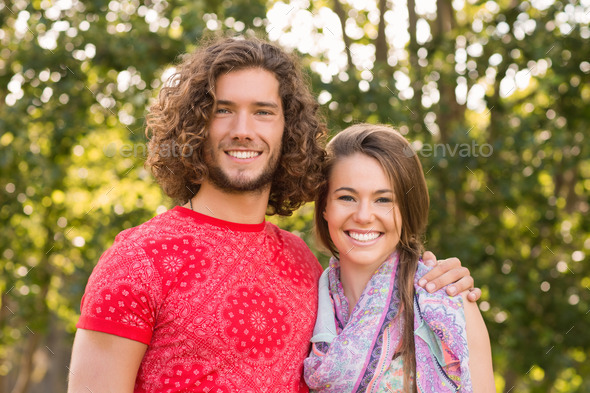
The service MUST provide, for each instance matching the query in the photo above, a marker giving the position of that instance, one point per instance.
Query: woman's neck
(354, 280)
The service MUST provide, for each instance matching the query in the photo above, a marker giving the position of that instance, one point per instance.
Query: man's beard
(238, 184)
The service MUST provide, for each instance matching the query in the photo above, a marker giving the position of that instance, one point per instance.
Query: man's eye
(265, 113)
(221, 110)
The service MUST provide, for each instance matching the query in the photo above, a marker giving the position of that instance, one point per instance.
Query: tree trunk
(25, 367)
(381, 48)
(510, 379)
(52, 359)
(444, 16)
(339, 10)
(415, 71)
(451, 111)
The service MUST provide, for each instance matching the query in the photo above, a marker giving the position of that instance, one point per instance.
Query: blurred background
(494, 95)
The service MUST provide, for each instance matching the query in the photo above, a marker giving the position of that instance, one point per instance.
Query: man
(208, 297)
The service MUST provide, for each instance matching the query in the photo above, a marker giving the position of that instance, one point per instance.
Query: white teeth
(364, 237)
(243, 154)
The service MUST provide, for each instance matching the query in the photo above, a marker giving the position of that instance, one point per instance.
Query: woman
(377, 330)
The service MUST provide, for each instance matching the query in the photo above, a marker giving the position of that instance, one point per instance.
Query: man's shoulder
(295, 246)
(289, 239)
(136, 249)
(160, 225)
(163, 226)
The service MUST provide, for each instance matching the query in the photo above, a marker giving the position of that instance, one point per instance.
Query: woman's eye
(384, 200)
(346, 198)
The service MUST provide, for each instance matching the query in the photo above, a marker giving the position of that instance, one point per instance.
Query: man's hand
(445, 272)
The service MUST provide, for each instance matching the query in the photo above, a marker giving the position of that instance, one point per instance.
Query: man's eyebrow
(267, 104)
(224, 102)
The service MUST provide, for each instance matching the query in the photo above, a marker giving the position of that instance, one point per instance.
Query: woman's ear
(324, 214)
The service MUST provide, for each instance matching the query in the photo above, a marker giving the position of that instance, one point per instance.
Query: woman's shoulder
(439, 329)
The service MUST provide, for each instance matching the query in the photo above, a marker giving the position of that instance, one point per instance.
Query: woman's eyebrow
(350, 189)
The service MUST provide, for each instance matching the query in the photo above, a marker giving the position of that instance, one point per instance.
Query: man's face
(243, 146)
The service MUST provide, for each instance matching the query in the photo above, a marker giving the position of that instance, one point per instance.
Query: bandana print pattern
(223, 307)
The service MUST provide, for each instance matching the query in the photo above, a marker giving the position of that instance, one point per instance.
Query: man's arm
(445, 272)
(104, 362)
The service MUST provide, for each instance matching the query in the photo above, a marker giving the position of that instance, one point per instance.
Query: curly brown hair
(405, 173)
(177, 124)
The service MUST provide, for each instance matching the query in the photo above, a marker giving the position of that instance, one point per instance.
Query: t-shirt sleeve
(122, 294)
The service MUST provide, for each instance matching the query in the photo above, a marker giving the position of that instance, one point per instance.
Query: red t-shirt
(223, 307)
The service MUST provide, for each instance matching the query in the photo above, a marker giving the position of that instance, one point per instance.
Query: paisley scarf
(354, 353)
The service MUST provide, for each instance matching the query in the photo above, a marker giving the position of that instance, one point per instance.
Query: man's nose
(242, 127)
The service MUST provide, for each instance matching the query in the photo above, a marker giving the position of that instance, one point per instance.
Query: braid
(408, 263)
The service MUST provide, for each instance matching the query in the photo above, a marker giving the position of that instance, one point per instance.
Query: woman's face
(363, 219)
